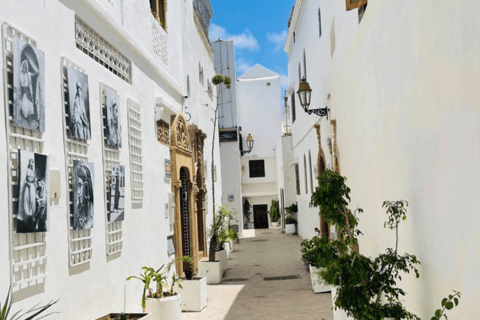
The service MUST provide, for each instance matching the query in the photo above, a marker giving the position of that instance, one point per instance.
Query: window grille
(257, 168)
(80, 241)
(163, 132)
(136, 152)
(28, 259)
(319, 23)
(305, 170)
(311, 172)
(97, 48)
(185, 211)
(111, 157)
(159, 41)
(294, 116)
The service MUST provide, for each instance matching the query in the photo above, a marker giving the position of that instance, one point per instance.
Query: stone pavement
(245, 294)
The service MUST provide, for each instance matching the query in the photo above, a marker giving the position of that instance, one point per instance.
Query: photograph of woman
(33, 192)
(113, 128)
(79, 107)
(117, 194)
(29, 83)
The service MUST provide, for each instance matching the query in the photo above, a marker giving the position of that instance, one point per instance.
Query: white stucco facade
(159, 78)
(402, 88)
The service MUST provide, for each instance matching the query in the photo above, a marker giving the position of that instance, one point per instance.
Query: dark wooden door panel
(260, 216)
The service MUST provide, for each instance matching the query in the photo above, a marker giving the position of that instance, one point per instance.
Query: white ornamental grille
(159, 41)
(97, 48)
(136, 152)
(28, 259)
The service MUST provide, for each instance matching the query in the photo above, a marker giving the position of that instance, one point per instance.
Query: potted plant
(194, 289)
(33, 313)
(217, 257)
(162, 303)
(125, 316)
(316, 258)
(232, 237)
(290, 219)
(274, 213)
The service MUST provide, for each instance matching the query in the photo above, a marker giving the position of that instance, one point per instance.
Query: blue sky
(258, 29)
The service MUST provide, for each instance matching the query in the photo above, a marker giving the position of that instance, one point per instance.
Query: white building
(400, 79)
(259, 115)
(161, 70)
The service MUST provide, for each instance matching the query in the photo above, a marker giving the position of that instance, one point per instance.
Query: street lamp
(305, 95)
(250, 141)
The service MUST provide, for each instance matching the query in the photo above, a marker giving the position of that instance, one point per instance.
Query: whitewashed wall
(403, 87)
(98, 288)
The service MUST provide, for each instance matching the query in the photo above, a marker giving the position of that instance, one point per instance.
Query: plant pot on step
(231, 245)
(194, 294)
(227, 250)
(222, 257)
(318, 284)
(275, 224)
(211, 270)
(131, 316)
(166, 308)
(290, 228)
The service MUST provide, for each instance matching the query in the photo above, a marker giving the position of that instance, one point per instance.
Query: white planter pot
(275, 224)
(290, 228)
(210, 270)
(168, 308)
(338, 314)
(222, 257)
(231, 245)
(228, 250)
(194, 294)
(318, 284)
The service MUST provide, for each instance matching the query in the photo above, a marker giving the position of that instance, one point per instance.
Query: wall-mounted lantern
(305, 95)
(250, 141)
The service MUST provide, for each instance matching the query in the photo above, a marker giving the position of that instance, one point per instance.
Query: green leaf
(444, 301)
(456, 301)
(438, 313)
(434, 318)
(449, 305)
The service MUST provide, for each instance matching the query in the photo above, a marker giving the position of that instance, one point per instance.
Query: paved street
(245, 294)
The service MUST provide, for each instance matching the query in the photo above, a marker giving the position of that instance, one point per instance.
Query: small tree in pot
(274, 212)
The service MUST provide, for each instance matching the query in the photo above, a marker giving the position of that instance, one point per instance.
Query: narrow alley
(253, 288)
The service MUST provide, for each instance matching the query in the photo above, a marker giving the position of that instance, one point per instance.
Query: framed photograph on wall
(113, 125)
(170, 245)
(28, 86)
(117, 194)
(83, 175)
(33, 192)
(79, 105)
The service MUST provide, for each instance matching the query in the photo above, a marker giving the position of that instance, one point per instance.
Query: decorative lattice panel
(136, 152)
(159, 41)
(111, 157)
(27, 250)
(97, 48)
(80, 241)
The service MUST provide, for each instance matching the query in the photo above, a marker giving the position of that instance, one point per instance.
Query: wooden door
(260, 216)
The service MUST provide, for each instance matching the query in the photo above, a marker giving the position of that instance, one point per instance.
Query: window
(257, 168)
(294, 117)
(158, 11)
(200, 73)
(305, 170)
(319, 23)
(188, 85)
(297, 178)
(332, 38)
(311, 172)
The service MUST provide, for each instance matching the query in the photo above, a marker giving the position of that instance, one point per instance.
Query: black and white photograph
(28, 86)
(83, 175)
(79, 105)
(113, 127)
(33, 184)
(117, 194)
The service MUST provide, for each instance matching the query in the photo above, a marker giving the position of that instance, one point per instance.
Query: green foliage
(290, 216)
(232, 234)
(448, 304)
(32, 314)
(122, 316)
(292, 209)
(274, 211)
(159, 276)
(367, 287)
(220, 78)
(187, 266)
(219, 232)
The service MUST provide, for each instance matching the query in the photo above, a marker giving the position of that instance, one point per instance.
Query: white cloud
(242, 66)
(245, 40)
(278, 38)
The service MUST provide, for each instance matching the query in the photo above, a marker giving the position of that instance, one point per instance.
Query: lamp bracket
(321, 112)
(245, 152)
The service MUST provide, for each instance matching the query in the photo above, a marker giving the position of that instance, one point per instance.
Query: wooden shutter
(257, 168)
(354, 4)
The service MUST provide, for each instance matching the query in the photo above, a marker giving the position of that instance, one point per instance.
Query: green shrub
(274, 211)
